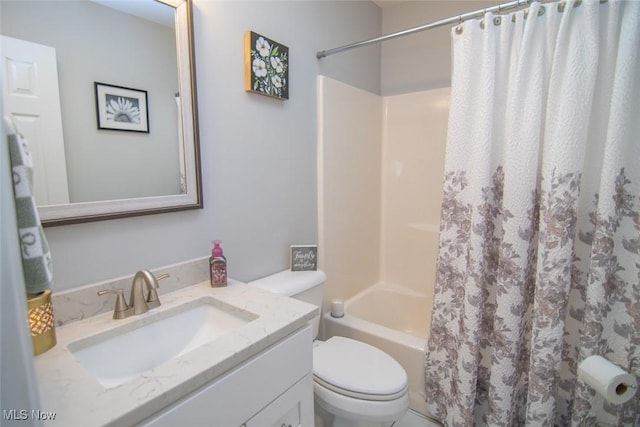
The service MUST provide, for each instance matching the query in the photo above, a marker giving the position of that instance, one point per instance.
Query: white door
(31, 96)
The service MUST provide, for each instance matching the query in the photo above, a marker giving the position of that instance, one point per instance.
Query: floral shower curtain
(539, 259)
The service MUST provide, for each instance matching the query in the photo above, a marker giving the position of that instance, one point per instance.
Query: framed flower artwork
(266, 66)
(121, 108)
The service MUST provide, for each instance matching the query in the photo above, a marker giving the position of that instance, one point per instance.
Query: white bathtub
(394, 319)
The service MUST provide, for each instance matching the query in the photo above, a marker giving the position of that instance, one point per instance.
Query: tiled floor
(413, 419)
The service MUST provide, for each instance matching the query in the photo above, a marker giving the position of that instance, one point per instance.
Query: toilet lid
(359, 368)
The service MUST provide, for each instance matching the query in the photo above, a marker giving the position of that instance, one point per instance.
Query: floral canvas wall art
(266, 66)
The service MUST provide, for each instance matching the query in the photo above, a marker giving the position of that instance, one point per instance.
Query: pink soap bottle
(217, 266)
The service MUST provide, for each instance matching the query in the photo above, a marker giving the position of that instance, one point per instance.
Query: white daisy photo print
(121, 108)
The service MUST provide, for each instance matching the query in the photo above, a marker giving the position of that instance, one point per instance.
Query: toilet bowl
(354, 383)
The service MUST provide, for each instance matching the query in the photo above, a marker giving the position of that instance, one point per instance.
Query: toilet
(354, 383)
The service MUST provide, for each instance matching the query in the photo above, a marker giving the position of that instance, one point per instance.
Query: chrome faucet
(138, 303)
(137, 300)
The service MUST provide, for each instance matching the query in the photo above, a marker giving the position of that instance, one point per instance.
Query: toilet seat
(356, 395)
(358, 370)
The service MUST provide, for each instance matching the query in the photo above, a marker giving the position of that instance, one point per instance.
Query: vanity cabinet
(288, 410)
(273, 388)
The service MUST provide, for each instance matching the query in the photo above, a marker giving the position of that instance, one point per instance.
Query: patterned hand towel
(36, 258)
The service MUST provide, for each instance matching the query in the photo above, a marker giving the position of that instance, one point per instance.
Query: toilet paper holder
(622, 387)
(615, 384)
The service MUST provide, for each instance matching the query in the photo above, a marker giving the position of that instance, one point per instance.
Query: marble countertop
(78, 399)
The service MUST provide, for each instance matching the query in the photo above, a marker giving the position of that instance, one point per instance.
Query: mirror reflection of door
(31, 98)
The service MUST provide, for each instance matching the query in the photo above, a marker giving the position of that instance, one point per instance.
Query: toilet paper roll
(607, 379)
(337, 308)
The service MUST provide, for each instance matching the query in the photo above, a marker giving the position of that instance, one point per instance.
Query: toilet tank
(307, 286)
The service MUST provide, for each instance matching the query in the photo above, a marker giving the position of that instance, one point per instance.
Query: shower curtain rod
(458, 18)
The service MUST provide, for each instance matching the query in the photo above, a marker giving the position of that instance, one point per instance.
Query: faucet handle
(153, 300)
(121, 308)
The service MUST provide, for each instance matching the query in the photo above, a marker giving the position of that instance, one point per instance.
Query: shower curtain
(539, 259)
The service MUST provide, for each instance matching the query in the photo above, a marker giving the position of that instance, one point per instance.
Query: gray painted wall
(258, 154)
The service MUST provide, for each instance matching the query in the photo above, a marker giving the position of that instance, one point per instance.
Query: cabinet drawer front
(294, 408)
(236, 396)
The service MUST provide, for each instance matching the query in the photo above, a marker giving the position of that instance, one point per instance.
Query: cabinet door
(293, 408)
(246, 390)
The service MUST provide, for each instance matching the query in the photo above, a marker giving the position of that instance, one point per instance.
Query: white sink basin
(123, 353)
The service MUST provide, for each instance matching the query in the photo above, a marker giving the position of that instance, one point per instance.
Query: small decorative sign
(304, 257)
(121, 108)
(266, 66)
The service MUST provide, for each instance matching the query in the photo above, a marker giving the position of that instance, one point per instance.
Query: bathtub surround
(349, 159)
(379, 169)
(539, 252)
(413, 147)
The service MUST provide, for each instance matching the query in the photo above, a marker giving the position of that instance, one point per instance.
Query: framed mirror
(105, 93)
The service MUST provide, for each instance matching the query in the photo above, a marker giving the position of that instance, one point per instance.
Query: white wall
(258, 154)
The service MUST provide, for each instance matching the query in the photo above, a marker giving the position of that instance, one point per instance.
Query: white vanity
(257, 393)
(234, 356)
